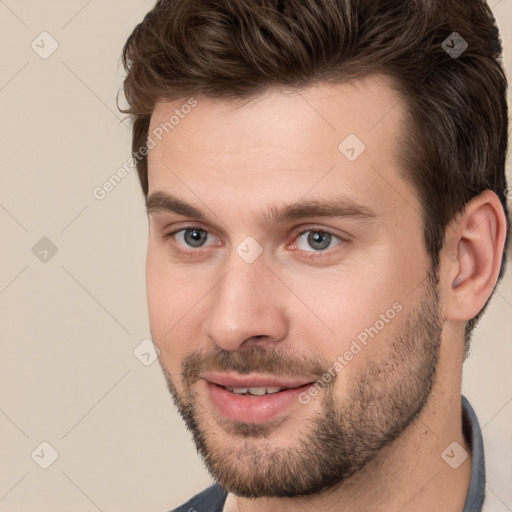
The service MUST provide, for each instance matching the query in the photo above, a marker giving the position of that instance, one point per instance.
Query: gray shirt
(213, 498)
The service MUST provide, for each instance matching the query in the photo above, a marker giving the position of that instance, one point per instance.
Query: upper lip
(254, 381)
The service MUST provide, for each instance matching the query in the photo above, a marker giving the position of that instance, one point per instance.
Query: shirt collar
(473, 435)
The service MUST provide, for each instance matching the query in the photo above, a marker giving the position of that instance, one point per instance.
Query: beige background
(69, 326)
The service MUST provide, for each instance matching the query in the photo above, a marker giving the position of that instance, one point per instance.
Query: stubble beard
(344, 434)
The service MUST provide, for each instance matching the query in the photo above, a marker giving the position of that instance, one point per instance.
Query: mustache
(255, 360)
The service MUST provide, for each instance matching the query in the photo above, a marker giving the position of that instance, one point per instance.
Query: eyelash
(194, 253)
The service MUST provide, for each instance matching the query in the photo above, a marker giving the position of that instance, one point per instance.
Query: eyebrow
(335, 207)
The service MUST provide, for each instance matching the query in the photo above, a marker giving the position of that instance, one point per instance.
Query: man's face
(248, 299)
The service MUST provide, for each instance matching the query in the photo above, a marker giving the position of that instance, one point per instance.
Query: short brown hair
(455, 144)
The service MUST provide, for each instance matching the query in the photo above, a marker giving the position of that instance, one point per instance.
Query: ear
(472, 256)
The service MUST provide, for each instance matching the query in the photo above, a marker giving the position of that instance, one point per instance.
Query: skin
(236, 159)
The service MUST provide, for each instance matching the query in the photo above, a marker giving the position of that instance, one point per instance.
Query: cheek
(158, 293)
(165, 306)
(372, 354)
(356, 311)
(174, 307)
(346, 301)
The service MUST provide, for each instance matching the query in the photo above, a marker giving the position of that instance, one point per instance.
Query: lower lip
(253, 409)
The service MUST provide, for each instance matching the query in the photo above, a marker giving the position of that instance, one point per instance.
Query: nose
(248, 306)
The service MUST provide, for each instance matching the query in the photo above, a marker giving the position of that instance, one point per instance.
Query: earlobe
(474, 261)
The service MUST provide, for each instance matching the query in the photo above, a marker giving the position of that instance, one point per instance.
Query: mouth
(253, 399)
(255, 391)
(254, 381)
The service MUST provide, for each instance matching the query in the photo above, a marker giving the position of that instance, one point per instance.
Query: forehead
(282, 144)
(357, 105)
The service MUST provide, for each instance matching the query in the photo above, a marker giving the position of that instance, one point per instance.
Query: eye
(318, 239)
(191, 236)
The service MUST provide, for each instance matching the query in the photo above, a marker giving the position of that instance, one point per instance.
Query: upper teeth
(254, 391)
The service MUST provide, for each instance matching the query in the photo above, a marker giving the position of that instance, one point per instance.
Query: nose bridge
(245, 303)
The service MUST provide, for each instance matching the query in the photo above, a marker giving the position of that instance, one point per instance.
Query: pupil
(195, 237)
(319, 237)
